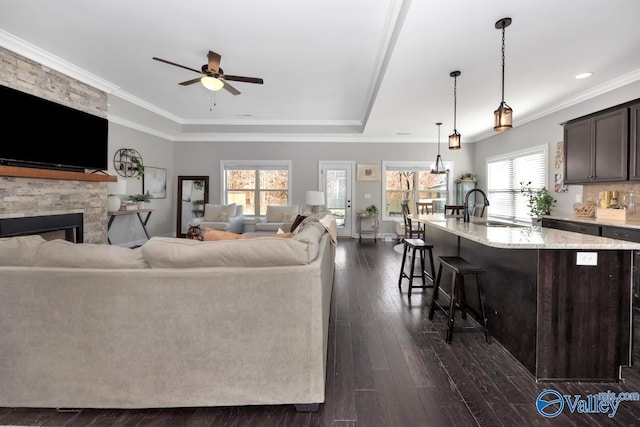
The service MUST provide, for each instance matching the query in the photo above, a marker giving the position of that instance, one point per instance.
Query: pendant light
(502, 117)
(439, 163)
(454, 138)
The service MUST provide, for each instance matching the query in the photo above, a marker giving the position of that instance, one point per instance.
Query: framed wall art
(368, 172)
(154, 182)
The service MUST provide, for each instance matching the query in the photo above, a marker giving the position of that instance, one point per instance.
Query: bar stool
(417, 245)
(460, 268)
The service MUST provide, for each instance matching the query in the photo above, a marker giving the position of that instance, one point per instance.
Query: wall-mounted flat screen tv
(49, 135)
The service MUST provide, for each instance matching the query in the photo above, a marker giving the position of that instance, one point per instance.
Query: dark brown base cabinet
(560, 320)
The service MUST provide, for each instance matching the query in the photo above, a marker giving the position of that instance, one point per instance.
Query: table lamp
(315, 199)
(114, 189)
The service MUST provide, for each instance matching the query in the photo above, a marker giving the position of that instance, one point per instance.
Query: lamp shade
(315, 198)
(118, 187)
(212, 83)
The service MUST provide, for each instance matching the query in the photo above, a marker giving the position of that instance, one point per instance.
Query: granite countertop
(502, 234)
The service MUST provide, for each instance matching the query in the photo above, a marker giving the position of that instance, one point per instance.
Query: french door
(336, 182)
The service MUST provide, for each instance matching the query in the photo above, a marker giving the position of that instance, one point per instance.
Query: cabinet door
(634, 141)
(611, 142)
(577, 152)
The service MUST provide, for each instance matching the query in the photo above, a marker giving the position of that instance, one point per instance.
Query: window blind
(504, 177)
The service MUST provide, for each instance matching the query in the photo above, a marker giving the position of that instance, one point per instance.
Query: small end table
(368, 224)
(143, 222)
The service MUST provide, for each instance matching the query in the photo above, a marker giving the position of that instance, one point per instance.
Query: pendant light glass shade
(503, 116)
(454, 138)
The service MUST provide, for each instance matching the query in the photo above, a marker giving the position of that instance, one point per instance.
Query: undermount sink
(496, 224)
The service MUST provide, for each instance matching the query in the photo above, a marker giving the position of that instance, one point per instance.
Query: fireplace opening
(49, 226)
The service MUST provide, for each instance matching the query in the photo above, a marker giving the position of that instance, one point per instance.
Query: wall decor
(368, 172)
(559, 185)
(128, 163)
(559, 156)
(154, 182)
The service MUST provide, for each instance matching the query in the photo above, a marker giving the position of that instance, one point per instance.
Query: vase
(141, 205)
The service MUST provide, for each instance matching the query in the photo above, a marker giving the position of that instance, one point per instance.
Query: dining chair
(453, 209)
(424, 208)
(411, 229)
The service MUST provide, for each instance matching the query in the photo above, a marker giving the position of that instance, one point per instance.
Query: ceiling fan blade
(242, 79)
(231, 89)
(178, 65)
(190, 82)
(214, 62)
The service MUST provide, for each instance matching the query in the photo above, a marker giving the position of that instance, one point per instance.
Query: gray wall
(203, 158)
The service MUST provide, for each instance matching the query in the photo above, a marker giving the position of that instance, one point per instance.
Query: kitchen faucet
(466, 202)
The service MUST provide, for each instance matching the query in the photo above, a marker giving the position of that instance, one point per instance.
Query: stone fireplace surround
(30, 197)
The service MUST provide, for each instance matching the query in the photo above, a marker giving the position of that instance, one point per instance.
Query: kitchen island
(558, 301)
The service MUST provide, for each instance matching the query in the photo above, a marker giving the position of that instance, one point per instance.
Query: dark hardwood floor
(388, 365)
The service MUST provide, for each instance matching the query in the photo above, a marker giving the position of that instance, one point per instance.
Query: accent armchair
(278, 217)
(221, 217)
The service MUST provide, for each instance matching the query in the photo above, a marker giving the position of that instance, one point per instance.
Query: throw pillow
(288, 217)
(212, 211)
(297, 222)
(221, 217)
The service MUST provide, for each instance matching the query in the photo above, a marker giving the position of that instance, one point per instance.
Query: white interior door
(336, 182)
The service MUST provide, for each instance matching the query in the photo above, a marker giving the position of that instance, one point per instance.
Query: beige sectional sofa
(174, 323)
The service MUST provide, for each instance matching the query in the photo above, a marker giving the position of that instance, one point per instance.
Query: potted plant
(371, 210)
(539, 200)
(140, 199)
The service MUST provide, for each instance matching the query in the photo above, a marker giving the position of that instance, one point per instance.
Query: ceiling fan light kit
(454, 138)
(211, 83)
(503, 116)
(214, 78)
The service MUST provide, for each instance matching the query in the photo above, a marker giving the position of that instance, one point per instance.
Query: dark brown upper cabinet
(596, 147)
(634, 142)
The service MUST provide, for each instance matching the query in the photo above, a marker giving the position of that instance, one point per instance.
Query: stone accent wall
(33, 197)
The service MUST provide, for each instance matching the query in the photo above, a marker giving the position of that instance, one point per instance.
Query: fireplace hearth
(71, 224)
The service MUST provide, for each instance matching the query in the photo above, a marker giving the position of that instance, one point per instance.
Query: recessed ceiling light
(583, 75)
(403, 133)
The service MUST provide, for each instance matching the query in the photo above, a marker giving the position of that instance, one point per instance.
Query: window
(256, 184)
(506, 172)
(412, 181)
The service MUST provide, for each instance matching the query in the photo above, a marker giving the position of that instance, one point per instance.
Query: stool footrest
(459, 265)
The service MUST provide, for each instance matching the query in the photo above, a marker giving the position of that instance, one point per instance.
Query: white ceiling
(353, 70)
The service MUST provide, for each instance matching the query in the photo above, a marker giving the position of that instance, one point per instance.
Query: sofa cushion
(219, 213)
(310, 234)
(20, 250)
(62, 253)
(282, 213)
(171, 252)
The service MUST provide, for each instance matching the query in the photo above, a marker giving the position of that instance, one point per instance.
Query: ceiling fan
(214, 78)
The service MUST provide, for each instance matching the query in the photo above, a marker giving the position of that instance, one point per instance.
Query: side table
(143, 222)
(368, 224)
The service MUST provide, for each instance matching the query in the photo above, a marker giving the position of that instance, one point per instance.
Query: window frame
(419, 166)
(256, 165)
(538, 149)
